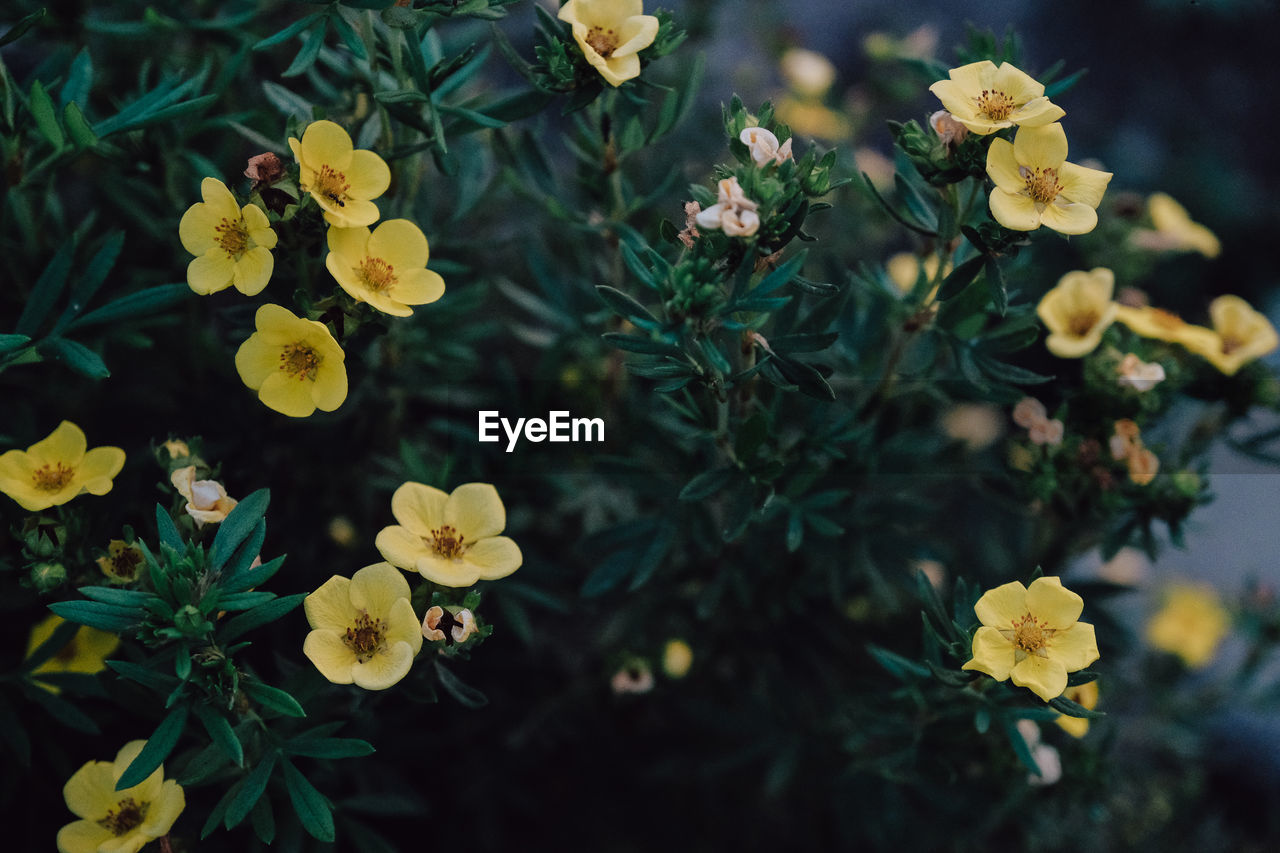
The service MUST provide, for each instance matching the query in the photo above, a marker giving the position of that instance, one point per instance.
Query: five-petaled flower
(1032, 635)
(449, 539)
(118, 821)
(611, 34)
(232, 244)
(295, 365)
(985, 98)
(1191, 623)
(1077, 311)
(86, 652)
(385, 267)
(207, 500)
(122, 562)
(1174, 230)
(364, 630)
(342, 179)
(733, 212)
(1240, 335)
(1034, 185)
(57, 468)
(1151, 322)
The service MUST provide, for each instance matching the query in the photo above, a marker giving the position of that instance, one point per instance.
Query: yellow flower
(232, 244)
(904, 269)
(677, 658)
(985, 98)
(385, 268)
(1240, 335)
(1174, 230)
(207, 500)
(364, 628)
(807, 73)
(1032, 635)
(343, 180)
(295, 365)
(1190, 624)
(122, 563)
(57, 468)
(1151, 322)
(118, 821)
(86, 652)
(1034, 185)
(1077, 311)
(449, 539)
(611, 34)
(809, 117)
(1086, 696)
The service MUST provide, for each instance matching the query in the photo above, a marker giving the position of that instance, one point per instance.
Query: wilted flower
(635, 677)
(1240, 334)
(611, 34)
(1077, 311)
(118, 821)
(364, 629)
(57, 468)
(1137, 374)
(86, 652)
(342, 179)
(764, 147)
(264, 169)
(122, 563)
(386, 267)
(1190, 624)
(950, 131)
(985, 98)
(1174, 230)
(449, 539)
(232, 244)
(458, 621)
(207, 500)
(1032, 635)
(733, 213)
(1034, 184)
(295, 365)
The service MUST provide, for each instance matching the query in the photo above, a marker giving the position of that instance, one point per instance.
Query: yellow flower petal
(636, 33)
(1076, 647)
(494, 557)
(82, 836)
(211, 272)
(475, 511)
(992, 654)
(1052, 604)
(164, 810)
(385, 668)
(1082, 185)
(1069, 218)
(65, 444)
(1016, 83)
(90, 790)
(329, 607)
(99, 466)
(999, 607)
(287, 395)
(256, 360)
(454, 573)
(369, 175)
(419, 507)
(1042, 147)
(377, 587)
(253, 271)
(403, 625)
(1002, 167)
(1045, 677)
(330, 655)
(419, 287)
(1085, 695)
(1016, 212)
(324, 142)
(399, 547)
(400, 243)
(349, 244)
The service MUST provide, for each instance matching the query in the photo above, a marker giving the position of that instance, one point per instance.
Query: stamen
(125, 817)
(447, 542)
(331, 184)
(1029, 635)
(52, 478)
(365, 638)
(378, 275)
(996, 105)
(300, 360)
(602, 41)
(1042, 184)
(1081, 324)
(233, 237)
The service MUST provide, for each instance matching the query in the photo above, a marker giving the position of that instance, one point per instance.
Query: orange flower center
(1042, 184)
(52, 478)
(995, 105)
(331, 184)
(300, 360)
(365, 637)
(447, 542)
(602, 41)
(1029, 635)
(233, 237)
(378, 275)
(125, 817)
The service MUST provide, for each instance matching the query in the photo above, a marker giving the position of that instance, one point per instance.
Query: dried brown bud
(264, 170)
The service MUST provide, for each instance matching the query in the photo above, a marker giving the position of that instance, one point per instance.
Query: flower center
(1042, 184)
(233, 237)
(378, 275)
(331, 184)
(68, 652)
(365, 637)
(996, 105)
(1081, 324)
(1230, 345)
(1029, 635)
(447, 542)
(125, 817)
(124, 563)
(300, 360)
(53, 478)
(602, 41)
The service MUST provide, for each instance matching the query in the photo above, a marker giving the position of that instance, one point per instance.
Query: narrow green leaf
(156, 749)
(79, 80)
(147, 677)
(74, 355)
(473, 116)
(95, 614)
(255, 783)
(60, 709)
(1073, 709)
(202, 765)
(624, 304)
(309, 804)
(261, 615)
(168, 531)
(216, 814)
(54, 643)
(273, 698)
(312, 41)
(78, 126)
(264, 820)
(780, 276)
(467, 695)
(114, 595)
(238, 526)
(250, 578)
(961, 277)
(897, 665)
(331, 747)
(348, 35)
(92, 277)
(45, 115)
(289, 103)
(134, 305)
(646, 346)
(27, 22)
(47, 290)
(9, 343)
(221, 733)
(248, 551)
(288, 32)
(706, 484)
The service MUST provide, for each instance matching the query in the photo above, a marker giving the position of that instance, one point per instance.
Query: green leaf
(646, 346)
(477, 118)
(961, 277)
(1008, 723)
(134, 305)
(264, 820)
(131, 598)
(330, 747)
(288, 32)
(45, 115)
(215, 816)
(803, 342)
(896, 664)
(92, 278)
(74, 355)
(9, 343)
(238, 526)
(95, 614)
(27, 22)
(782, 275)
(289, 103)
(79, 80)
(1074, 709)
(78, 126)
(261, 615)
(255, 783)
(311, 44)
(466, 695)
(249, 550)
(202, 765)
(147, 677)
(273, 698)
(54, 643)
(60, 709)
(47, 290)
(168, 531)
(309, 804)
(706, 484)
(221, 733)
(156, 749)
(250, 578)
(624, 304)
